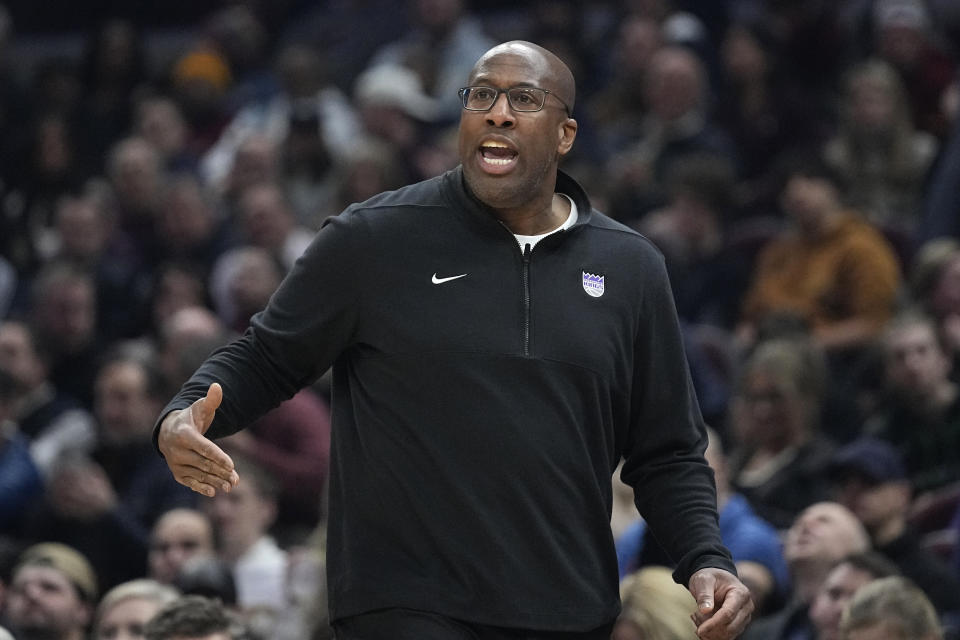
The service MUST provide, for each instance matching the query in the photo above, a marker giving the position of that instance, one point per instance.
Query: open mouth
(497, 156)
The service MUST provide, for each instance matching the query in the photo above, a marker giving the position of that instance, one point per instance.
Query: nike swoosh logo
(436, 280)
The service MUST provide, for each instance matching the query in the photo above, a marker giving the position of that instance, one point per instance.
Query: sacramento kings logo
(593, 284)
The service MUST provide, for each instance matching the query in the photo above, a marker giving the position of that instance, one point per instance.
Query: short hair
(897, 602)
(189, 617)
(872, 562)
(140, 589)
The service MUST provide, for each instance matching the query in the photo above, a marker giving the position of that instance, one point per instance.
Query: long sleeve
(673, 484)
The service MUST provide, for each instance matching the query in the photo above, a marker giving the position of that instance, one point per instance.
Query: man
(871, 481)
(497, 346)
(192, 618)
(178, 535)
(52, 594)
(823, 534)
(891, 608)
(920, 409)
(840, 585)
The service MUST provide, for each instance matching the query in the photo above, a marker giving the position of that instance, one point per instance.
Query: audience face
(18, 358)
(824, 532)
(125, 619)
(770, 411)
(675, 84)
(806, 199)
(43, 604)
(136, 173)
(186, 218)
(82, 227)
(124, 407)
(240, 517)
(66, 313)
(841, 583)
(916, 364)
(161, 123)
(267, 221)
(874, 503)
(178, 535)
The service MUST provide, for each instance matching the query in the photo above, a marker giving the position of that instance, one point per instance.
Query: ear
(567, 132)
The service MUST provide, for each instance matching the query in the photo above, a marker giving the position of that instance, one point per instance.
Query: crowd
(796, 162)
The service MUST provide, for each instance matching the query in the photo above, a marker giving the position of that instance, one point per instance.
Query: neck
(537, 218)
(807, 578)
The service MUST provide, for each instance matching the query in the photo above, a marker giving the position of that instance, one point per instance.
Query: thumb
(203, 410)
(703, 592)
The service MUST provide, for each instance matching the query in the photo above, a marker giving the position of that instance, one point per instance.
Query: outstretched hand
(195, 461)
(724, 605)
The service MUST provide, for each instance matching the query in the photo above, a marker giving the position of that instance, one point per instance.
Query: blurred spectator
(394, 109)
(63, 308)
(200, 80)
(159, 120)
(843, 581)
(763, 111)
(754, 543)
(52, 423)
(242, 281)
(193, 618)
(87, 236)
(920, 408)
(189, 226)
(176, 286)
(268, 222)
(177, 536)
(779, 452)
(53, 590)
(831, 269)
(106, 504)
(185, 338)
(654, 607)
(242, 519)
(113, 69)
(890, 608)
(306, 95)
(124, 611)
(935, 286)
(904, 37)
(618, 107)
(678, 122)
(441, 47)
(209, 576)
(136, 173)
(822, 535)
(881, 158)
(256, 160)
(871, 481)
(20, 479)
(708, 276)
(239, 34)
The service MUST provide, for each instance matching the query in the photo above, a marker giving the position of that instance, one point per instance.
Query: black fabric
(408, 624)
(477, 422)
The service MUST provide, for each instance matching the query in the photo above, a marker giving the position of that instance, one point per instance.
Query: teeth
(491, 143)
(498, 161)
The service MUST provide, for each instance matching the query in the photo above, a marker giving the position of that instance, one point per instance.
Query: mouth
(497, 157)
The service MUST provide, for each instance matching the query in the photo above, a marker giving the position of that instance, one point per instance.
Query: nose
(500, 114)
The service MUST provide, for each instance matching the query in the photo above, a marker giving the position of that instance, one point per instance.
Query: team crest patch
(593, 284)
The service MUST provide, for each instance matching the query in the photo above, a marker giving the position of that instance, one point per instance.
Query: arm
(309, 320)
(673, 484)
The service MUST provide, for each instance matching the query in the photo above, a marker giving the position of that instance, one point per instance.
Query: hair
(911, 317)
(189, 617)
(897, 602)
(928, 265)
(263, 481)
(872, 562)
(140, 589)
(796, 360)
(656, 604)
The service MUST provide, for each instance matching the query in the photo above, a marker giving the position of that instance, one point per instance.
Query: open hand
(196, 461)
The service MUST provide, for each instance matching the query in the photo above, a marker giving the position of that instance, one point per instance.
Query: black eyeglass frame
(464, 91)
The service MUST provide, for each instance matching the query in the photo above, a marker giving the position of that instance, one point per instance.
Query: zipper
(526, 299)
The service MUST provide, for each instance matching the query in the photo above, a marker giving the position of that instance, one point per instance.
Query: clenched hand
(196, 461)
(724, 605)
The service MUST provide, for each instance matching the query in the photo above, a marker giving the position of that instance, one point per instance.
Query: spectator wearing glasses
(497, 347)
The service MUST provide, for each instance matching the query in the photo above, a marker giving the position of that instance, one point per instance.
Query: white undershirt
(569, 222)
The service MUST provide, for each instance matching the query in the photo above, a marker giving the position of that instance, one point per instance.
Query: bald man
(497, 346)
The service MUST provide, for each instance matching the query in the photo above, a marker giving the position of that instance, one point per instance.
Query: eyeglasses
(524, 99)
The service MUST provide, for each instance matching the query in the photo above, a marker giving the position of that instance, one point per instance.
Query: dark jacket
(477, 421)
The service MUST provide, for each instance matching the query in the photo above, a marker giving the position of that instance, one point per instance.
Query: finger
(702, 590)
(197, 484)
(209, 461)
(203, 410)
(723, 626)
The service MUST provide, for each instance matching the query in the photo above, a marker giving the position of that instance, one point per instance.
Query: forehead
(513, 66)
(40, 573)
(179, 525)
